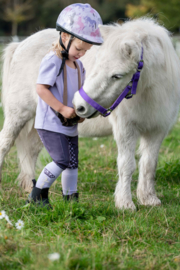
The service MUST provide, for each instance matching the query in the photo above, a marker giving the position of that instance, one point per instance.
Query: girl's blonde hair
(57, 48)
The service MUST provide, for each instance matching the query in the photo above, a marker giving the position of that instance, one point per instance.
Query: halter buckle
(139, 70)
(129, 95)
(130, 83)
(108, 111)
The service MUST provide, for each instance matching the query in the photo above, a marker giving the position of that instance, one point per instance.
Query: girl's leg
(64, 152)
(70, 175)
(57, 146)
(40, 189)
(48, 175)
(69, 181)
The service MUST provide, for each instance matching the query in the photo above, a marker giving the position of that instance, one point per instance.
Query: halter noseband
(127, 93)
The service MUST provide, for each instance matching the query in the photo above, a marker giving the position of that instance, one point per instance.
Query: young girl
(61, 74)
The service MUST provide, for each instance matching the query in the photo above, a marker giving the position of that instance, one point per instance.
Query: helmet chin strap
(65, 52)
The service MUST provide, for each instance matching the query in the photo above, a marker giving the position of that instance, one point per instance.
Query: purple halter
(132, 86)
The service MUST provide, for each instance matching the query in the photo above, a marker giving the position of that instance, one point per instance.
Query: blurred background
(21, 18)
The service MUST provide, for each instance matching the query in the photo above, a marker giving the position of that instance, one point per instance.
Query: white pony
(149, 114)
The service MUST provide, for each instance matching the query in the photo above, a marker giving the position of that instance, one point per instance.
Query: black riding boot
(39, 196)
(35, 195)
(72, 197)
(45, 199)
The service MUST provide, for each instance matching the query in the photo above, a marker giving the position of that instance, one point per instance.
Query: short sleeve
(49, 69)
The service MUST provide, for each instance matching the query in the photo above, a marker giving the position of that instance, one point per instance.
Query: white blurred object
(19, 225)
(54, 256)
(15, 38)
(7, 219)
(2, 214)
(178, 48)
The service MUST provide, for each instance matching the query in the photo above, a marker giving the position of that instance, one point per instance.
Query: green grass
(93, 234)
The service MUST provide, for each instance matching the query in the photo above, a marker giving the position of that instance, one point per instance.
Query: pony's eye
(117, 76)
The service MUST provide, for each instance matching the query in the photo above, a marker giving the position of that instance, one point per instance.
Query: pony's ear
(106, 29)
(129, 49)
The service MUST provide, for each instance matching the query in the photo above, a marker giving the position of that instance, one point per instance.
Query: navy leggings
(62, 149)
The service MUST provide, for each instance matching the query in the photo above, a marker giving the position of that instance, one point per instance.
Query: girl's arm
(46, 95)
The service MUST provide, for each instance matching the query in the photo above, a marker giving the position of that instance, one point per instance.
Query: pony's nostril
(81, 109)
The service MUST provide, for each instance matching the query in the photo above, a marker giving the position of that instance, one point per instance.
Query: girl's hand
(68, 112)
(81, 120)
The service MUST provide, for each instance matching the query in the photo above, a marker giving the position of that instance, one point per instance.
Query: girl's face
(77, 49)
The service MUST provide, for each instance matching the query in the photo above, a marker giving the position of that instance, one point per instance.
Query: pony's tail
(7, 58)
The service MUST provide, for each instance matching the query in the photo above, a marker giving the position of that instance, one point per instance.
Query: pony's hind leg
(28, 146)
(149, 149)
(11, 128)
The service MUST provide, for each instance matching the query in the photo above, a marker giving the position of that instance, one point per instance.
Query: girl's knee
(63, 165)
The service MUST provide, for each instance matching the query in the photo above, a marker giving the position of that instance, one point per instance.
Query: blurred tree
(43, 13)
(113, 10)
(16, 11)
(166, 11)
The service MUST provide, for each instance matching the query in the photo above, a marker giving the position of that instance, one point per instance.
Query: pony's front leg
(149, 149)
(126, 138)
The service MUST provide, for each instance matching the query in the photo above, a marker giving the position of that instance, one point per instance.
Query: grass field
(93, 234)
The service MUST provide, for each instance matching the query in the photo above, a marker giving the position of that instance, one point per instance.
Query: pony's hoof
(125, 205)
(150, 201)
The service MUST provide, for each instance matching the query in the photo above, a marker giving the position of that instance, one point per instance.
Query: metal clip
(130, 83)
(109, 110)
(129, 96)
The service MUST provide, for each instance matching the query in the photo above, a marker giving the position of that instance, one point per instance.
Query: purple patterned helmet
(81, 21)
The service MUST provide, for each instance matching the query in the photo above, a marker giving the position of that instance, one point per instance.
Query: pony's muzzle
(80, 109)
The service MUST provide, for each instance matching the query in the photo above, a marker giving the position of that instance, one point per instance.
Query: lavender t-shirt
(49, 68)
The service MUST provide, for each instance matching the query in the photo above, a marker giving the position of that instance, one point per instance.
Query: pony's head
(116, 61)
